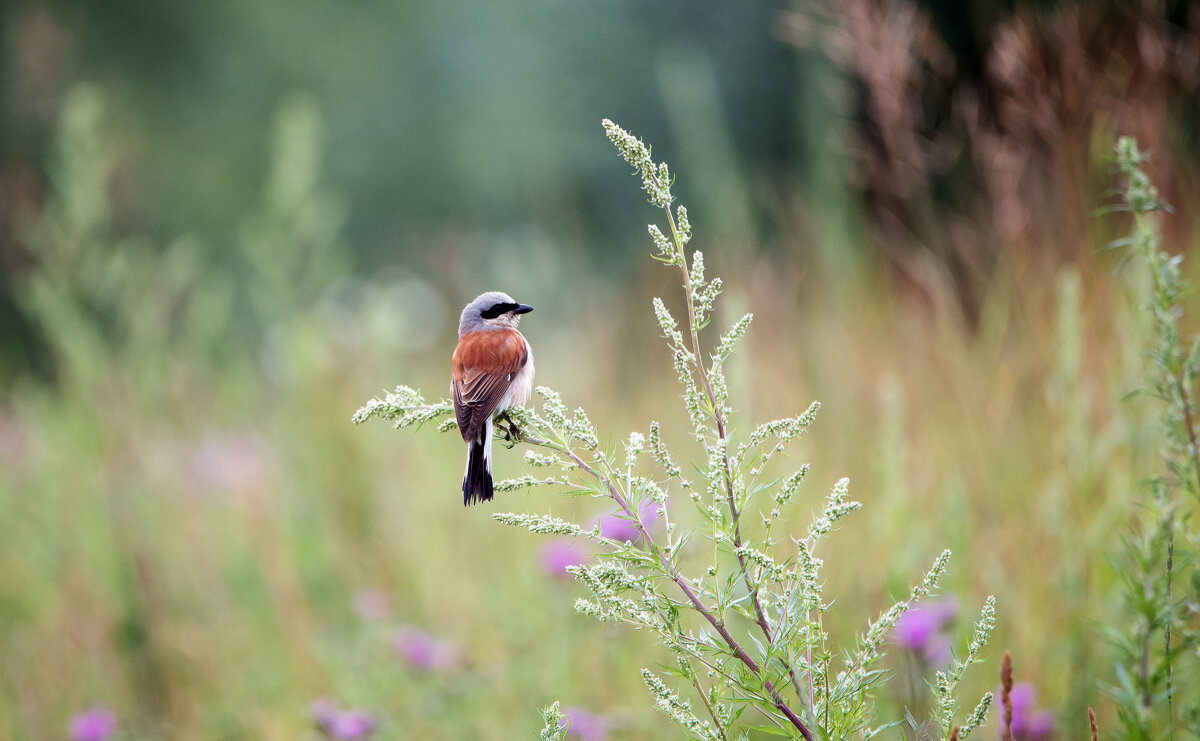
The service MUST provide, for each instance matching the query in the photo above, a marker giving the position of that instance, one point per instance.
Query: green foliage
(103, 301)
(145, 458)
(555, 728)
(945, 683)
(291, 244)
(1158, 646)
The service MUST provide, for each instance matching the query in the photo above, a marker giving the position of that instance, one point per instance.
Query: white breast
(522, 386)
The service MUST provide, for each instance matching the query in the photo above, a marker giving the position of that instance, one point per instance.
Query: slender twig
(812, 692)
(707, 705)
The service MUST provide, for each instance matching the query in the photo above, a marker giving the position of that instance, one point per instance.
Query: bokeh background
(224, 226)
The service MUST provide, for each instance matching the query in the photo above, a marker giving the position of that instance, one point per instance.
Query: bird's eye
(497, 309)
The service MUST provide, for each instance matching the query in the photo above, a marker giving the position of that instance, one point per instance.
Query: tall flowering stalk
(1161, 579)
(748, 632)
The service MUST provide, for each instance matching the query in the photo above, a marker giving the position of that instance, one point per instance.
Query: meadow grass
(188, 523)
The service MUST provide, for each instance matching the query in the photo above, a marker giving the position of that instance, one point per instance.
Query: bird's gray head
(491, 310)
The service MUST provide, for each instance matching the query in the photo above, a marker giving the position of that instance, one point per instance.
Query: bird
(491, 372)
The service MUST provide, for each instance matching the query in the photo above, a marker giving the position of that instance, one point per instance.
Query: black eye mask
(498, 309)
(503, 308)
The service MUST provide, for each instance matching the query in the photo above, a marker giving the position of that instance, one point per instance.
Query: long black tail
(477, 483)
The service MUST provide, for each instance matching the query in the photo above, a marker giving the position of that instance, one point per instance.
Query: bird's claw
(511, 433)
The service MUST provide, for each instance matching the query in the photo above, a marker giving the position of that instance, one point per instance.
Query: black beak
(522, 309)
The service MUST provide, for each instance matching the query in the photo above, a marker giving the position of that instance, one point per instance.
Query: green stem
(752, 588)
(707, 705)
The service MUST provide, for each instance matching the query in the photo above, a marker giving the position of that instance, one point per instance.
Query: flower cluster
(343, 725)
(546, 524)
(681, 710)
(922, 630)
(423, 651)
(372, 604)
(1140, 194)
(878, 630)
(585, 725)
(945, 684)
(1028, 722)
(95, 724)
(229, 463)
(578, 427)
(667, 252)
(558, 554)
(656, 179)
(704, 295)
(406, 408)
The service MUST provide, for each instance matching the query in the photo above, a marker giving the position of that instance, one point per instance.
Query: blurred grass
(188, 522)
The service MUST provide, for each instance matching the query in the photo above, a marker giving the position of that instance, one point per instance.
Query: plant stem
(719, 417)
(1167, 629)
(1147, 699)
(708, 706)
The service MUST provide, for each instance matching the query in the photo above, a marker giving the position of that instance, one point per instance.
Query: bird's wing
(485, 364)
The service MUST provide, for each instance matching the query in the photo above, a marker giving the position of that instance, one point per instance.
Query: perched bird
(492, 371)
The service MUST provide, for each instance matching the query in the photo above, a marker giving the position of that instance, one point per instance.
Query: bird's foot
(511, 433)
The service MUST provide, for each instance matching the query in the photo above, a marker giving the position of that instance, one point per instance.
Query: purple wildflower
(1028, 723)
(585, 725)
(372, 604)
(324, 711)
(352, 724)
(344, 725)
(97, 724)
(560, 553)
(617, 526)
(230, 463)
(920, 629)
(423, 651)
